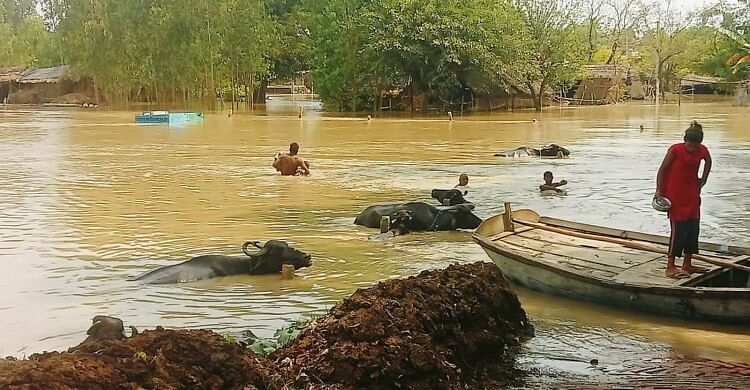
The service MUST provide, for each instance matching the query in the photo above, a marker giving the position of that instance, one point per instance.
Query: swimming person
(290, 164)
(549, 185)
(678, 181)
(463, 184)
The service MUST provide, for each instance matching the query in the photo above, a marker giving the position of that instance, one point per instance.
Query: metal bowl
(661, 203)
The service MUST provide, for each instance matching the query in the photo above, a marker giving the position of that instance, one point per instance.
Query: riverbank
(450, 328)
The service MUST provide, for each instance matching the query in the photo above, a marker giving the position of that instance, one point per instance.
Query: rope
(434, 222)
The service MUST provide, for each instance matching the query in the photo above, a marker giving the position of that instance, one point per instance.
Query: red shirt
(681, 183)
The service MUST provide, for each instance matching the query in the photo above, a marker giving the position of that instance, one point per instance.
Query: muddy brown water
(89, 198)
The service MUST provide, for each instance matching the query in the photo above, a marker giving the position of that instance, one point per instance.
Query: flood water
(88, 199)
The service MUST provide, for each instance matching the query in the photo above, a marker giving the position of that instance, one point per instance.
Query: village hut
(693, 83)
(51, 85)
(9, 81)
(604, 84)
(300, 83)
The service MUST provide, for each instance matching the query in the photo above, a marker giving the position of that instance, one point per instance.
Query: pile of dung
(157, 359)
(440, 329)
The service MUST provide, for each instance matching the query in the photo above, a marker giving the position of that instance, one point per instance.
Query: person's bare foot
(694, 269)
(676, 273)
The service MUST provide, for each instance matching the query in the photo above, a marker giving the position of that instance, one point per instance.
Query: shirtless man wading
(290, 164)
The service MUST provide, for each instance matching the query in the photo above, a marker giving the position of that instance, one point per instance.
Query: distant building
(49, 85)
(9, 81)
(299, 84)
(693, 83)
(604, 84)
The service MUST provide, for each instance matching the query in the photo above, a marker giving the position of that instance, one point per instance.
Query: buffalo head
(273, 254)
(554, 150)
(463, 216)
(401, 221)
(448, 197)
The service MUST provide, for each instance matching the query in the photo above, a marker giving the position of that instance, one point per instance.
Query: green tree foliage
(555, 46)
(429, 54)
(428, 49)
(165, 50)
(25, 41)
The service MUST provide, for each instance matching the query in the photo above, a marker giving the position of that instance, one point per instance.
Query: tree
(24, 42)
(624, 17)
(667, 39)
(554, 49)
(593, 23)
(293, 52)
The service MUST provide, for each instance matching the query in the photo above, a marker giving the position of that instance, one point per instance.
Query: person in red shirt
(678, 181)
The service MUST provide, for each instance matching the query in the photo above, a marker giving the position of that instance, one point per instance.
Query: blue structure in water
(168, 117)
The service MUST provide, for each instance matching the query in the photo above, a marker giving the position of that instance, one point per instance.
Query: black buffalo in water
(450, 197)
(547, 151)
(267, 260)
(422, 216)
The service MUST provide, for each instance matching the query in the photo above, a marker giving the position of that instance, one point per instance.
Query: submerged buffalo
(422, 216)
(450, 197)
(267, 260)
(547, 151)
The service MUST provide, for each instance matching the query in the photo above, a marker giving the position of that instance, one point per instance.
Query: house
(693, 83)
(49, 85)
(9, 80)
(604, 84)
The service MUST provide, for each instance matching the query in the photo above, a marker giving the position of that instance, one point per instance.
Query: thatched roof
(608, 71)
(12, 73)
(44, 75)
(693, 79)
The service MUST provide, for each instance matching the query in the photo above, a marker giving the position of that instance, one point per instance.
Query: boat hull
(731, 305)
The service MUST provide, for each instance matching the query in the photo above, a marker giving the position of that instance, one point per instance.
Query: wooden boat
(616, 267)
(167, 117)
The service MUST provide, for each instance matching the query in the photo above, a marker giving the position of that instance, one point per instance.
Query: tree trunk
(657, 93)
(612, 53)
(260, 94)
(411, 95)
(536, 98)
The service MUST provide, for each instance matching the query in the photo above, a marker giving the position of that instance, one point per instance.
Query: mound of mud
(453, 328)
(157, 359)
(439, 329)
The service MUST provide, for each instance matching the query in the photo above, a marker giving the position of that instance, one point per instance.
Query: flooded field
(89, 199)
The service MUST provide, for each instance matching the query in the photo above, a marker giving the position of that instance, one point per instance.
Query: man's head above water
(293, 149)
(548, 177)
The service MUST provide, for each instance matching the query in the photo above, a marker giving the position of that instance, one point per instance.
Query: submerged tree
(554, 50)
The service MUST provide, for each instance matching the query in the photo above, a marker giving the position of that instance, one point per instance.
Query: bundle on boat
(441, 329)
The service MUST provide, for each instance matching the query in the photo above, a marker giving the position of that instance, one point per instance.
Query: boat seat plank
(520, 229)
(717, 250)
(616, 261)
(568, 263)
(555, 237)
(546, 237)
(652, 273)
(698, 278)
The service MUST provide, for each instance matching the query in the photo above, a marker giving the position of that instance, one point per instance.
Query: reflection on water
(90, 198)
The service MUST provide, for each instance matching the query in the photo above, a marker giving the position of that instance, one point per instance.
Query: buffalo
(422, 216)
(551, 150)
(268, 259)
